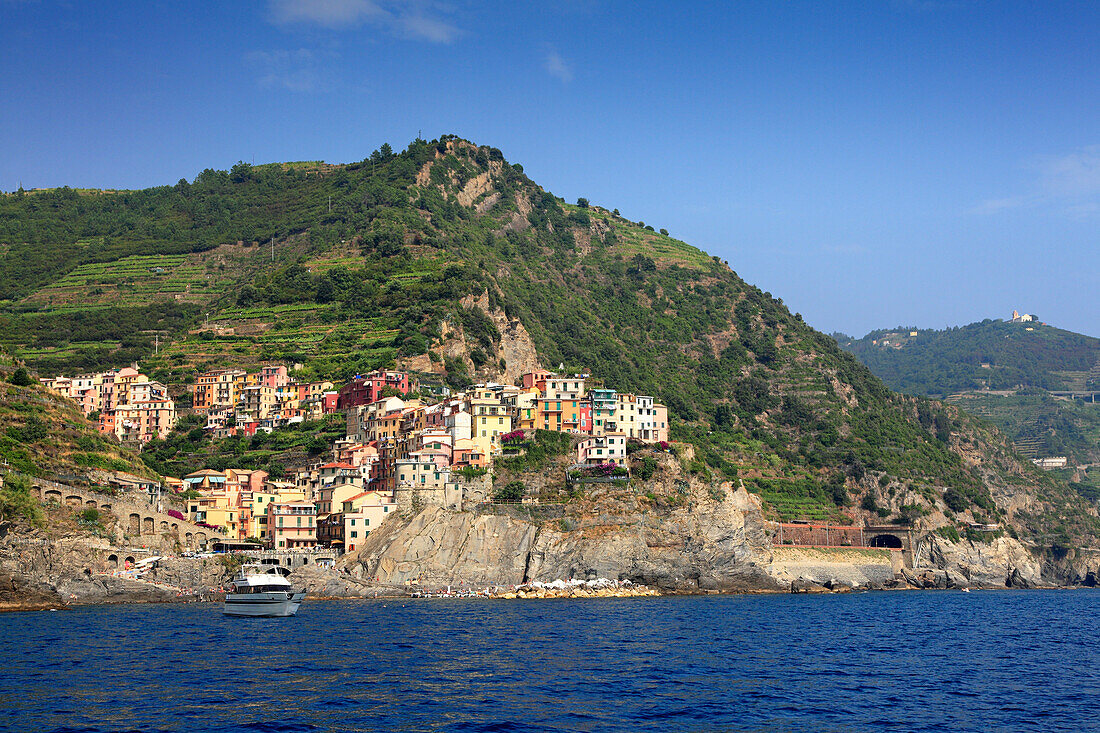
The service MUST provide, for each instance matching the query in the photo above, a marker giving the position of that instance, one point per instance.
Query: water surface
(912, 661)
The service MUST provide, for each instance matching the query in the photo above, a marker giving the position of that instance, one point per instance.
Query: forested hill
(993, 354)
(447, 260)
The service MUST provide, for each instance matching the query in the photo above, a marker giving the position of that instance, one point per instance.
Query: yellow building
(489, 420)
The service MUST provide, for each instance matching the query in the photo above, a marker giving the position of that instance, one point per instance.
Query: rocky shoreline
(526, 592)
(709, 544)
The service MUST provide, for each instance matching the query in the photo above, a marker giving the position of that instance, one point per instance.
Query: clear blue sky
(920, 162)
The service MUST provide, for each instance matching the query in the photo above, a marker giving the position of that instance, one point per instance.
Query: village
(401, 451)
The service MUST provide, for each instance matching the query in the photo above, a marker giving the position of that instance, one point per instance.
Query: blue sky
(903, 162)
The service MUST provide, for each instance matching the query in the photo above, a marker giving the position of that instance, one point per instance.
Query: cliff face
(710, 539)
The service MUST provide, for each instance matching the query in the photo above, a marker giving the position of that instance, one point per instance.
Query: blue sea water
(904, 661)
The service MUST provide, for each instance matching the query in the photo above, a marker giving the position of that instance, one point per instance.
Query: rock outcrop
(1000, 563)
(723, 547)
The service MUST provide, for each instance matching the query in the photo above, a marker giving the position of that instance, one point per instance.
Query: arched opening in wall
(105, 507)
(52, 496)
(134, 527)
(887, 540)
(147, 525)
(129, 561)
(36, 492)
(175, 529)
(188, 539)
(163, 527)
(73, 500)
(90, 504)
(200, 537)
(112, 560)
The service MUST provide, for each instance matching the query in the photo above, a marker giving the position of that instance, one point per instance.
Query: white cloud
(1067, 184)
(295, 71)
(325, 13)
(414, 19)
(996, 206)
(557, 67)
(1073, 175)
(423, 27)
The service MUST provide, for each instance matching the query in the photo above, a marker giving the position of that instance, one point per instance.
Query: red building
(365, 389)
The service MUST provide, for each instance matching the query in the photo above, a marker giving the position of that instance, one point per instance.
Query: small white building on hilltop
(1025, 318)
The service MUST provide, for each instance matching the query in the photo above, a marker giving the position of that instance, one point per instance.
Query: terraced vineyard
(1040, 425)
(139, 280)
(633, 240)
(796, 499)
(302, 332)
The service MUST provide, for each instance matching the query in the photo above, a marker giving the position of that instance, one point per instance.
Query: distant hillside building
(1025, 318)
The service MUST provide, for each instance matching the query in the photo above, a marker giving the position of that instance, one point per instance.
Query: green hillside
(993, 354)
(420, 258)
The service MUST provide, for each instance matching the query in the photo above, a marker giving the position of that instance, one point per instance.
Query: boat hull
(275, 604)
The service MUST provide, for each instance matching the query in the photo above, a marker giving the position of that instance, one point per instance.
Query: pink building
(364, 390)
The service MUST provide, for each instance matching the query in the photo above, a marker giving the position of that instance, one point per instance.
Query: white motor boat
(259, 590)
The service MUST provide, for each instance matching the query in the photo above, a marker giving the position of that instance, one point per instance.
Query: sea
(888, 661)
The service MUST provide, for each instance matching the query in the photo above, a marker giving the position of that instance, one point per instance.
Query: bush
(469, 472)
(16, 501)
(955, 500)
(646, 468)
(511, 493)
(21, 378)
(949, 533)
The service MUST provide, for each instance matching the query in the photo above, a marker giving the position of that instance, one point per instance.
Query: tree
(583, 203)
(21, 378)
(511, 493)
(240, 172)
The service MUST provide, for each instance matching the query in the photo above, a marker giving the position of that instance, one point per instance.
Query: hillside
(47, 436)
(1003, 372)
(993, 354)
(446, 259)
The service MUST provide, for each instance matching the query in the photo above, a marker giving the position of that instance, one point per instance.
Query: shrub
(16, 501)
(511, 493)
(948, 532)
(21, 378)
(469, 472)
(955, 500)
(646, 468)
